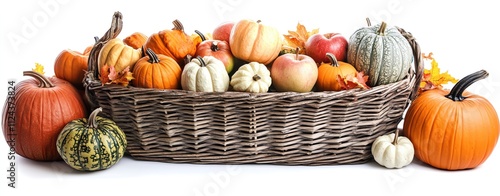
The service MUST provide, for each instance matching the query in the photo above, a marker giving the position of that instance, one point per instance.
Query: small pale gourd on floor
(393, 151)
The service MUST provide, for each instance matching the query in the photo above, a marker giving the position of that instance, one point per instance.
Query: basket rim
(92, 83)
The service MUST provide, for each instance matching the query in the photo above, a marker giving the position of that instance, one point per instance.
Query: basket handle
(417, 60)
(91, 76)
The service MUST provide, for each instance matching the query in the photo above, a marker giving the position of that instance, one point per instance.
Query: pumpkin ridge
(374, 66)
(115, 136)
(402, 46)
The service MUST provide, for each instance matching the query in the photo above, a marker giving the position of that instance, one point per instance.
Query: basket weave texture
(284, 128)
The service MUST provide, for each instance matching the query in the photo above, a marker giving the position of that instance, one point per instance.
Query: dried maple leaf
(433, 78)
(104, 77)
(39, 68)
(123, 77)
(297, 39)
(110, 76)
(352, 81)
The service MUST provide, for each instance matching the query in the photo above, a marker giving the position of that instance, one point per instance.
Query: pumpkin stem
(368, 22)
(258, 21)
(297, 50)
(96, 39)
(381, 30)
(256, 77)
(153, 58)
(396, 135)
(202, 62)
(178, 25)
(92, 118)
(456, 93)
(203, 38)
(44, 82)
(333, 60)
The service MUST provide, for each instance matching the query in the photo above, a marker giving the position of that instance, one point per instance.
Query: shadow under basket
(282, 128)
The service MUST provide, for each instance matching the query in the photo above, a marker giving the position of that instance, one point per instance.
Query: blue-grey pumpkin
(381, 52)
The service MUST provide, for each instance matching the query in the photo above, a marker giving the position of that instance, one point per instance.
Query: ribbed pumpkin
(174, 43)
(118, 54)
(92, 144)
(381, 52)
(205, 74)
(452, 129)
(252, 77)
(157, 71)
(253, 41)
(71, 65)
(328, 74)
(135, 40)
(39, 110)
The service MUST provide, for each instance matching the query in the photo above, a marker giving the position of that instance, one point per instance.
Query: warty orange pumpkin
(174, 43)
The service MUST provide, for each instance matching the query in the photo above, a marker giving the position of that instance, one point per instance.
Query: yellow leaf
(298, 38)
(39, 68)
(433, 78)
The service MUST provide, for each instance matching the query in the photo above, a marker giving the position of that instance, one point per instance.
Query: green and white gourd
(381, 52)
(92, 144)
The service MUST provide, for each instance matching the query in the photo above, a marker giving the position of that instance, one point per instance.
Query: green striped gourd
(381, 52)
(92, 144)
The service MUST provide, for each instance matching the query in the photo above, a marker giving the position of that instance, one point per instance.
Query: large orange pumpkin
(36, 114)
(253, 41)
(174, 43)
(328, 74)
(157, 71)
(71, 65)
(452, 129)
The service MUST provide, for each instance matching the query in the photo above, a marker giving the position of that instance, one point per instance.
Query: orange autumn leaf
(104, 74)
(352, 81)
(110, 76)
(297, 39)
(433, 78)
(123, 77)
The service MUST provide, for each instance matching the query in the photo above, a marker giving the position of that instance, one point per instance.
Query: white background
(462, 35)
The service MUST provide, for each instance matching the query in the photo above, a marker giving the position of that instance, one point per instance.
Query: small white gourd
(252, 77)
(207, 74)
(393, 151)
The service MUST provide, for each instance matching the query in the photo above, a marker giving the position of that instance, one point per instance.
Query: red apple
(222, 31)
(319, 44)
(294, 73)
(218, 49)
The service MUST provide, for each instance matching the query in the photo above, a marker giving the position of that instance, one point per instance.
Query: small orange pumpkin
(135, 40)
(157, 71)
(71, 65)
(452, 129)
(174, 43)
(328, 74)
(253, 41)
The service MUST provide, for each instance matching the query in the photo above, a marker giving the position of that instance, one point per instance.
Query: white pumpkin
(252, 77)
(206, 74)
(393, 151)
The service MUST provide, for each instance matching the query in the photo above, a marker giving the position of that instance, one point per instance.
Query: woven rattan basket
(284, 128)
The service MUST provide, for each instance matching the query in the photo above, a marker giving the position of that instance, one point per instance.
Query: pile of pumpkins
(448, 129)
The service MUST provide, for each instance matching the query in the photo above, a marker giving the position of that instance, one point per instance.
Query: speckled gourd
(382, 52)
(92, 144)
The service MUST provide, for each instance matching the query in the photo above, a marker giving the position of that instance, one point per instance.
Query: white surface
(462, 36)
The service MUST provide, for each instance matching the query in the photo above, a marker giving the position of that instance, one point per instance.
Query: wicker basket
(284, 128)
